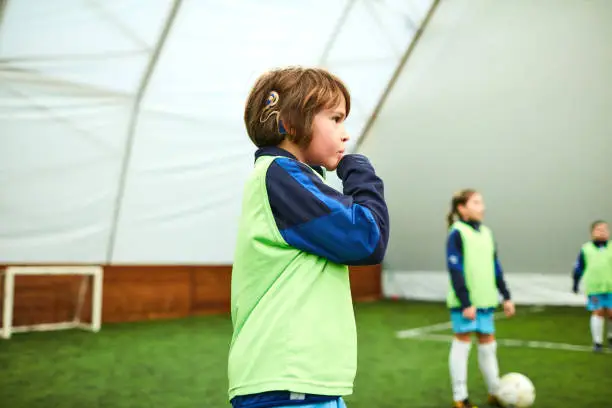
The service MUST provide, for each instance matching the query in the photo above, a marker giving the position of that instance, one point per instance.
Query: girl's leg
(597, 326)
(487, 361)
(487, 354)
(458, 365)
(459, 356)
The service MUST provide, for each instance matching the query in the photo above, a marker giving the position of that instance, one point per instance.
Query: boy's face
(328, 138)
(473, 209)
(601, 232)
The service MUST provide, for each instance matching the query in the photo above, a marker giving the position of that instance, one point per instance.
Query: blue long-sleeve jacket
(350, 228)
(580, 264)
(455, 265)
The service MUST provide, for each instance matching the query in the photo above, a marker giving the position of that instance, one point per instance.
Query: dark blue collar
(273, 151)
(473, 224)
(277, 151)
(600, 244)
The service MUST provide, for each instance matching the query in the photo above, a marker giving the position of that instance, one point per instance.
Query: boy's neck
(293, 149)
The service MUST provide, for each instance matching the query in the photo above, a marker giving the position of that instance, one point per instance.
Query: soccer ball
(516, 391)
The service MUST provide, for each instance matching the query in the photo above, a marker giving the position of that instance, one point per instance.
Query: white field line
(516, 343)
(425, 333)
(418, 331)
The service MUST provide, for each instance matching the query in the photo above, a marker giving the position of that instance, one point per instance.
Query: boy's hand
(350, 162)
(469, 313)
(509, 308)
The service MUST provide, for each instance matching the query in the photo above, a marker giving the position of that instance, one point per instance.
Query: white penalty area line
(516, 343)
(419, 331)
(425, 333)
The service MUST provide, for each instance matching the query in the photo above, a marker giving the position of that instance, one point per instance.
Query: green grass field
(182, 363)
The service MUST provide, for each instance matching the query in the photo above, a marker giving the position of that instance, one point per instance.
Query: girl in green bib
(594, 264)
(477, 281)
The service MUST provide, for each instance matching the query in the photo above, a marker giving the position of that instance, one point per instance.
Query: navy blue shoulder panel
(316, 218)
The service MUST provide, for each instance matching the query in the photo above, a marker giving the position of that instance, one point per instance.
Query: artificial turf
(182, 363)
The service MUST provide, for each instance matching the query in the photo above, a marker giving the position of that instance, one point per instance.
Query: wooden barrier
(145, 292)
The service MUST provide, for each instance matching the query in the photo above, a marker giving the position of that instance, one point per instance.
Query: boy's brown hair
(283, 103)
(461, 197)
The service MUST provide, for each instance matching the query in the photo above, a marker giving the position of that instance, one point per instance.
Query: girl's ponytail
(459, 198)
(450, 217)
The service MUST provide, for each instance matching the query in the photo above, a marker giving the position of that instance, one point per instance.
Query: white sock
(489, 367)
(597, 325)
(458, 364)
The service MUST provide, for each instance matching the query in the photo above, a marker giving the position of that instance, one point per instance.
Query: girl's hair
(284, 101)
(461, 197)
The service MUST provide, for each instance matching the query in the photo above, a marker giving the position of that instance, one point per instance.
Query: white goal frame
(95, 272)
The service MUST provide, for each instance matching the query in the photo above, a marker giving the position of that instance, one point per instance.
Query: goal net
(91, 280)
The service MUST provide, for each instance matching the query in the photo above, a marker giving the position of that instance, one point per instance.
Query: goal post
(93, 273)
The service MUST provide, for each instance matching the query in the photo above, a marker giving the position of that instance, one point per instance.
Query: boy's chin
(332, 167)
(332, 164)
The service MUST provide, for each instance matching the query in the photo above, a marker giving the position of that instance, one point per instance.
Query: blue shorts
(484, 322)
(600, 301)
(339, 403)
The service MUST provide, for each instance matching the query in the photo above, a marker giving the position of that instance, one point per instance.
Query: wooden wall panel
(144, 292)
(211, 289)
(366, 283)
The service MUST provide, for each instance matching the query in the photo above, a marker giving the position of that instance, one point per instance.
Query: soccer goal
(89, 273)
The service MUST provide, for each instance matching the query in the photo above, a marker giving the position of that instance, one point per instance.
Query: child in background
(476, 278)
(594, 263)
(294, 341)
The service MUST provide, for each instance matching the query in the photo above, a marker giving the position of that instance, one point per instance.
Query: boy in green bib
(477, 281)
(594, 265)
(294, 341)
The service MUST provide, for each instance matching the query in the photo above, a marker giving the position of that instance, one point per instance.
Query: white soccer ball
(516, 391)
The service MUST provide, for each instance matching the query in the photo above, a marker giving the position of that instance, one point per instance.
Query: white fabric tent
(121, 134)
(512, 98)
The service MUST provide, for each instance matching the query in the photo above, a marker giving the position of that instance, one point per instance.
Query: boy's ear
(281, 127)
(285, 128)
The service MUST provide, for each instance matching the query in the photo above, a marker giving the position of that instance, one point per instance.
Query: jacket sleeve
(500, 281)
(454, 263)
(350, 228)
(579, 267)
